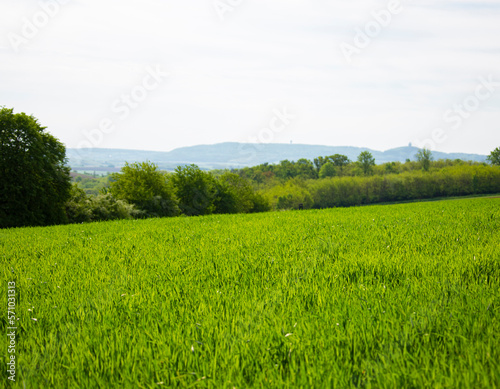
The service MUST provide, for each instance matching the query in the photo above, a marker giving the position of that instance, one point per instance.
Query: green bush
(79, 206)
(106, 207)
(148, 188)
(289, 196)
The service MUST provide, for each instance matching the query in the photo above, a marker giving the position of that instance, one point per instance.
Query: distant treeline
(340, 166)
(412, 185)
(141, 190)
(335, 181)
(37, 190)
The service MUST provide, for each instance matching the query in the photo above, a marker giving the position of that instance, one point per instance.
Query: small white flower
(34, 319)
(192, 348)
(288, 334)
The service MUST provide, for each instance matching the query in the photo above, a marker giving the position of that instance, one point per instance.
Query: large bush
(82, 208)
(148, 188)
(289, 196)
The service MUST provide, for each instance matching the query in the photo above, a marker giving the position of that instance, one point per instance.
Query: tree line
(460, 180)
(339, 165)
(37, 189)
(141, 190)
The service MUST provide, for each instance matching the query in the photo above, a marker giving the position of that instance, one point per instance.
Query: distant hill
(237, 155)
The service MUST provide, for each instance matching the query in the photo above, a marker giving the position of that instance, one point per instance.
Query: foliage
(305, 169)
(450, 181)
(154, 194)
(289, 196)
(143, 185)
(337, 160)
(366, 160)
(424, 156)
(235, 195)
(319, 162)
(327, 170)
(106, 207)
(92, 185)
(82, 208)
(267, 175)
(494, 157)
(260, 203)
(35, 181)
(196, 190)
(340, 161)
(394, 296)
(79, 206)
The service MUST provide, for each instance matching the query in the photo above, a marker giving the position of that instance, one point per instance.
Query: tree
(424, 156)
(340, 161)
(241, 195)
(78, 207)
(305, 169)
(327, 170)
(494, 157)
(106, 207)
(226, 198)
(35, 181)
(390, 167)
(149, 189)
(366, 161)
(196, 190)
(285, 169)
(319, 162)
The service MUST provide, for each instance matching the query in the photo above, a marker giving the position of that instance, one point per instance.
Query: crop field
(388, 296)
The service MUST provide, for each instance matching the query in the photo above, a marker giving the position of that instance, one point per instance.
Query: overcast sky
(159, 74)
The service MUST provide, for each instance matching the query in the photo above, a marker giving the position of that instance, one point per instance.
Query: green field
(388, 296)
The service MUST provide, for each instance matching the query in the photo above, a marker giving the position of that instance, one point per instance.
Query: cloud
(228, 75)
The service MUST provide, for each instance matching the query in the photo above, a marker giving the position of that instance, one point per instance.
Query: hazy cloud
(226, 76)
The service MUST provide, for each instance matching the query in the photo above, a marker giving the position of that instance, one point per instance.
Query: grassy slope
(381, 296)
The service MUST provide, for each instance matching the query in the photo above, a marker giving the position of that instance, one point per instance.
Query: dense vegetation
(35, 182)
(36, 187)
(141, 190)
(327, 182)
(350, 191)
(397, 296)
(288, 185)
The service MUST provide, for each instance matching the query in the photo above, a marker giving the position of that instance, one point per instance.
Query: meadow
(387, 296)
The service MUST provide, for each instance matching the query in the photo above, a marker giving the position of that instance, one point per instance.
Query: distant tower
(409, 144)
(290, 142)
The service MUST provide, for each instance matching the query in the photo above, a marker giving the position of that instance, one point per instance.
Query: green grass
(380, 296)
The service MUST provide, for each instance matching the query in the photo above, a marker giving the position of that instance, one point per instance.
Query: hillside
(397, 296)
(234, 155)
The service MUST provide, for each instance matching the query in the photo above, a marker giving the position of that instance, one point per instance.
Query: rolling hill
(237, 155)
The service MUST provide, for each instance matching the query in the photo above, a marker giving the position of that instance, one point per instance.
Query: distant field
(390, 296)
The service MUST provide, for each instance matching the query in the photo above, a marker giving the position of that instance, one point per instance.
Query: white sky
(228, 75)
